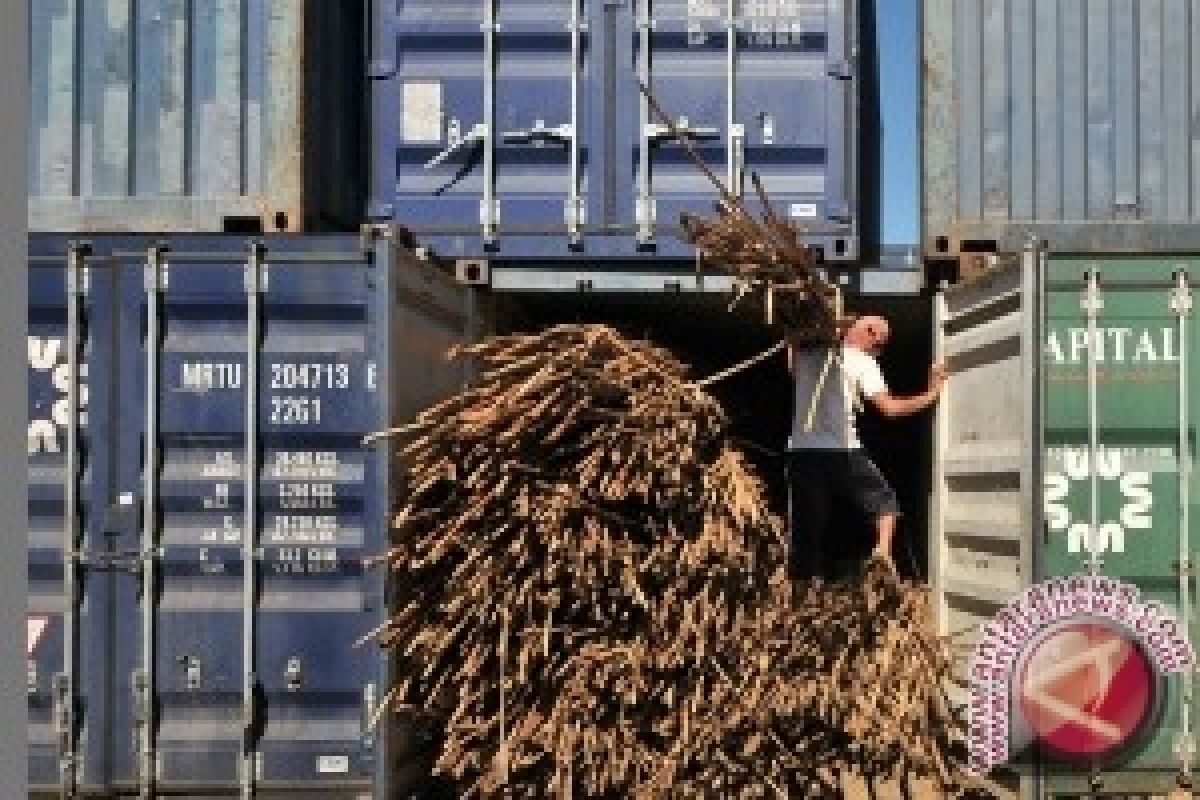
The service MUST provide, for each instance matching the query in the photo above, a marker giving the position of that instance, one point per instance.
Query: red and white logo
(1075, 664)
(1086, 689)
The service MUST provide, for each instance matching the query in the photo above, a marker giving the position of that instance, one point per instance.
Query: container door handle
(541, 132)
(474, 138)
(655, 131)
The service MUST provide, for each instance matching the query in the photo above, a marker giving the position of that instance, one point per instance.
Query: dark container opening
(701, 332)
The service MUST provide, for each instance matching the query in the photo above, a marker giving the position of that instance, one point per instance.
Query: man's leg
(809, 508)
(885, 530)
(875, 497)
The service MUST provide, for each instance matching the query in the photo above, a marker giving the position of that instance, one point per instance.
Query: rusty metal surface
(1073, 120)
(164, 115)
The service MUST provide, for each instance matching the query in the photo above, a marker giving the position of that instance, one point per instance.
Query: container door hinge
(381, 69)
(379, 210)
(840, 213)
(841, 70)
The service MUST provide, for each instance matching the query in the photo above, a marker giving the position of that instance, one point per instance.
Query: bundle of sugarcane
(591, 598)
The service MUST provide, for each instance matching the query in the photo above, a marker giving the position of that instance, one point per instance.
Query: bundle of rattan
(769, 261)
(591, 598)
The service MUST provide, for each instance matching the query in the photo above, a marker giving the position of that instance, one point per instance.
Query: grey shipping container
(200, 504)
(1069, 410)
(1074, 120)
(170, 115)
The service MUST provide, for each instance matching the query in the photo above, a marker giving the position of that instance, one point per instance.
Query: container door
(246, 385)
(1119, 436)
(480, 123)
(984, 487)
(685, 53)
(754, 86)
(71, 557)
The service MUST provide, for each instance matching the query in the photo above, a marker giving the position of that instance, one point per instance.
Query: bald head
(869, 334)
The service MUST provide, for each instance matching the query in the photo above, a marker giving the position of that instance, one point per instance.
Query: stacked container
(166, 115)
(516, 129)
(1071, 124)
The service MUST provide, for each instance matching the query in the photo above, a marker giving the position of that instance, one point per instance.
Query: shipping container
(1069, 410)
(164, 115)
(1127, 425)
(515, 129)
(1071, 120)
(692, 317)
(201, 503)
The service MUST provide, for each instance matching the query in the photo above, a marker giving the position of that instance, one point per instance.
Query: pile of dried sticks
(591, 599)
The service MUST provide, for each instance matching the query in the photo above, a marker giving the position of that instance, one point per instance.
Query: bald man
(826, 460)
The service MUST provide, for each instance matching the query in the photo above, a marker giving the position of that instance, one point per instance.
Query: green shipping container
(1041, 435)
(1125, 406)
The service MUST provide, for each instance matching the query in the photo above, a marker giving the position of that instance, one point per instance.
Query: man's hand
(891, 406)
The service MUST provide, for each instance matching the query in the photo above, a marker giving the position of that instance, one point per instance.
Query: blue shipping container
(516, 129)
(200, 504)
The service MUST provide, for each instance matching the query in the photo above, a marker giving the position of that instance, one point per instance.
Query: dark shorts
(819, 479)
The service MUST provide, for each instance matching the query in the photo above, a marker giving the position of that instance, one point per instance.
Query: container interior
(701, 331)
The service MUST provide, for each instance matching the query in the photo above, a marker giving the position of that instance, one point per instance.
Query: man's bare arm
(891, 406)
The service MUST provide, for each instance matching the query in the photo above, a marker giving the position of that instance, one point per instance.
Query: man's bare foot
(883, 556)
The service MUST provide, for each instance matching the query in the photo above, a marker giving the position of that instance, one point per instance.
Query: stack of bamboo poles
(592, 601)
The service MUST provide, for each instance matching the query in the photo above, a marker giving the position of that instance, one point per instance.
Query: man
(826, 459)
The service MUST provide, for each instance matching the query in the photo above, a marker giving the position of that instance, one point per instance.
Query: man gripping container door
(826, 460)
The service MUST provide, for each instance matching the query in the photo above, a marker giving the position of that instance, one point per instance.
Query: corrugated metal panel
(167, 115)
(1143, 352)
(981, 552)
(516, 129)
(211, 358)
(1070, 119)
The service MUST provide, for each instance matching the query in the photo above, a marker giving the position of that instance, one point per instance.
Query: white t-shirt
(833, 425)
